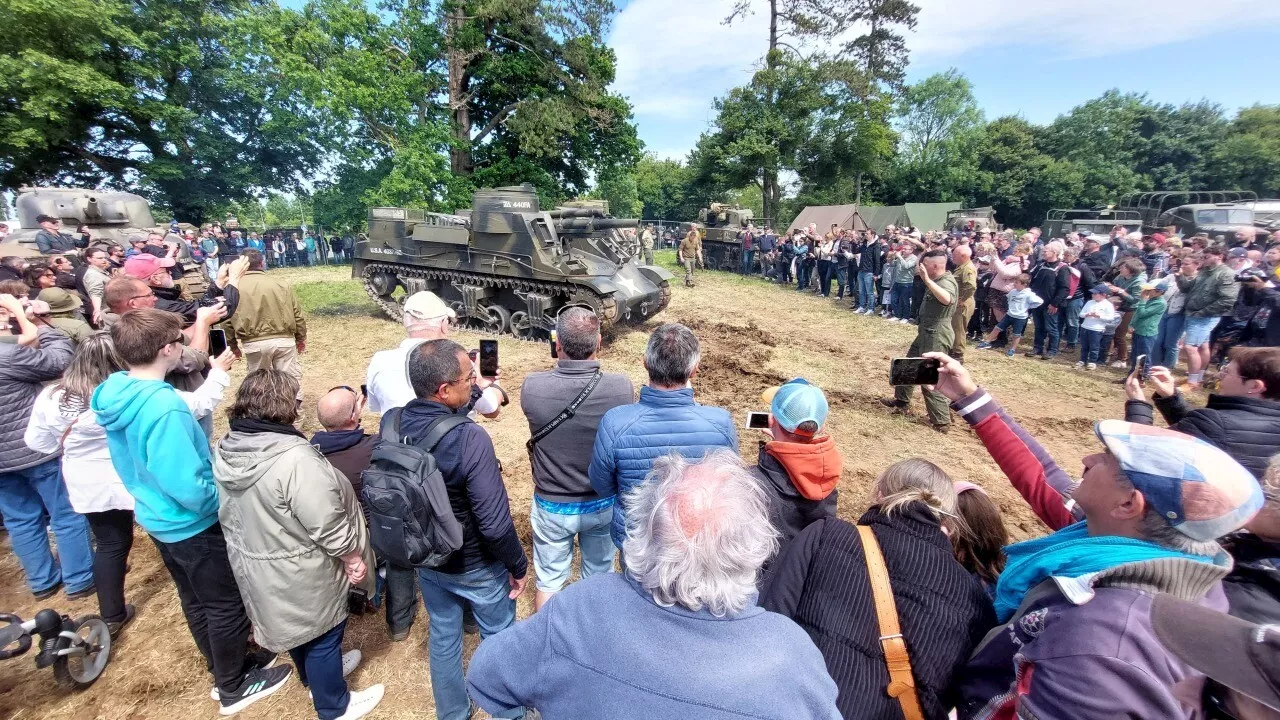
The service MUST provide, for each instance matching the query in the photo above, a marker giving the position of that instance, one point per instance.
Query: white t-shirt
(389, 387)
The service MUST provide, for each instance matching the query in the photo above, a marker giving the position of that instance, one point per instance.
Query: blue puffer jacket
(630, 437)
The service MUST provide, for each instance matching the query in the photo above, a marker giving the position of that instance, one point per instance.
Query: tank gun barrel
(576, 212)
(590, 224)
(91, 209)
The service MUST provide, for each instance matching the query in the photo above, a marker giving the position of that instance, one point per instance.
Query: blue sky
(1038, 58)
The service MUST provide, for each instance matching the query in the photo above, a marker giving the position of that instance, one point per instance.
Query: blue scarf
(1070, 552)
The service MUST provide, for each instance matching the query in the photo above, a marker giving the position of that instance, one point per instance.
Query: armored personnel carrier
(721, 248)
(507, 266)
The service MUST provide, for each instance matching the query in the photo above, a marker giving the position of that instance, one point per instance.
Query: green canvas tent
(824, 216)
(878, 217)
(929, 216)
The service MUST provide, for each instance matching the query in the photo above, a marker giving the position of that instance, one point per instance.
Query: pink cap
(145, 265)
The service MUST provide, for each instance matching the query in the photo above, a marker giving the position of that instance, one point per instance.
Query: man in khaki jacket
(268, 328)
(967, 281)
(690, 251)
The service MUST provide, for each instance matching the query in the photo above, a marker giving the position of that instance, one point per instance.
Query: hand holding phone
(217, 342)
(489, 358)
(914, 371)
(757, 421)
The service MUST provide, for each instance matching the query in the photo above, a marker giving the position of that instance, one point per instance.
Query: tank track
(606, 307)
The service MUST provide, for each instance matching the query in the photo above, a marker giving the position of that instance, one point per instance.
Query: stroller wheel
(87, 656)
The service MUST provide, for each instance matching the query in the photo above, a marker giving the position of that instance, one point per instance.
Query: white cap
(427, 305)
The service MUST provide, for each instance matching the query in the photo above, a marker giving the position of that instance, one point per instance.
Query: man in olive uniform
(966, 276)
(690, 251)
(934, 334)
(646, 244)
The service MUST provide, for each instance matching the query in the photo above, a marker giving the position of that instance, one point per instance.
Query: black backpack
(411, 523)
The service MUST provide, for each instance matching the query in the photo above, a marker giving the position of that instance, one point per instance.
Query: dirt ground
(753, 335)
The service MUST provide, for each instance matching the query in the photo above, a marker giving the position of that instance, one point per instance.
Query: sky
(1034, 58)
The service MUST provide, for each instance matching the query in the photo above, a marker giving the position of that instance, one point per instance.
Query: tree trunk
(769, 188)
(460, 161)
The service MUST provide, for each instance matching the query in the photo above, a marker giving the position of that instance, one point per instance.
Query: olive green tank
(507, 266)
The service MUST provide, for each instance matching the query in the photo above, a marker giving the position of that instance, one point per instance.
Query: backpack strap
(434, 434)
(902, 684)
(565, 414)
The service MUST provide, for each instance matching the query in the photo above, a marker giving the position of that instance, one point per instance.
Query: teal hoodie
(160, 453)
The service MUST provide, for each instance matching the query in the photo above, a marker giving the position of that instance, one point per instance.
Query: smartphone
(914, 371)
(364, 391)
(217, 342)
(489, 358)
(554, 354)
(1140, 366)
(757, 421)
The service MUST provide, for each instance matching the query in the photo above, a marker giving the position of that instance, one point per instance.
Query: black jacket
(1051, 282)
(1247, 429)
(821, 582)
(170, 300)
(1263, 329)
(1253, 587)
(1087, 280)
(473, 478)
(790, 511)
(872, 259)
(347, 450)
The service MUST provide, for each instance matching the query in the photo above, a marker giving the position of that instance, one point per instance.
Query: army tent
(878, 217)
(824, 216)
(929, 216)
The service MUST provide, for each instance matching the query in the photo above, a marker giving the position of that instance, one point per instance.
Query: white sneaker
(363, 702)
(350, 661)
(1091, 366)
(1080, 364)
(904, 321)
(1119, 364)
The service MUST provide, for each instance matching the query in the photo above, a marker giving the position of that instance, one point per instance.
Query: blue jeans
(33, 501)
(1072, 320)
(444, 595)
(842, 281)
(553, 535)
(867, 291)
(319, 665)
(902, 300)
(1090, 344)
(1142, 345)
(802, 275)
(1046, 329)
(748, 261)
(1166, 349)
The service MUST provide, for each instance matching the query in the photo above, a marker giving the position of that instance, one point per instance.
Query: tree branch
(493, 123)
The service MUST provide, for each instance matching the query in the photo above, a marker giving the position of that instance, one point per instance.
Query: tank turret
(507, 266)
(110, 216)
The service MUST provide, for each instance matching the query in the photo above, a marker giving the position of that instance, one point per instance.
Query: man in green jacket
(268, 322)
(934, 334)
(1211, 293)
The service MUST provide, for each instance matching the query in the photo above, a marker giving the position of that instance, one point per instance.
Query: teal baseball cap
(796, 402)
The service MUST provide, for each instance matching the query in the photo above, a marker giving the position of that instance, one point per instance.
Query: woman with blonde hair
(822, 582)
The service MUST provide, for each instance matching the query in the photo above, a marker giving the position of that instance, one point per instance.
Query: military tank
(110, 216)
(507, 266)
(721, 248)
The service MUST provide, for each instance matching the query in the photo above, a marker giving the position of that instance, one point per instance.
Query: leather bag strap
(902, 683)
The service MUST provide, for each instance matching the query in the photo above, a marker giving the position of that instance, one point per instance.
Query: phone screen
(1140, 366)
(914, 371)
(758, 420)
(554, 354)
(364, 391)
(217, 342)
(489, 358)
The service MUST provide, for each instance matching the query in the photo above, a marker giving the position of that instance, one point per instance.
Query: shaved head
(339, 409)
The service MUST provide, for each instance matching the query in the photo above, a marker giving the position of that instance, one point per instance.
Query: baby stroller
(78, 650)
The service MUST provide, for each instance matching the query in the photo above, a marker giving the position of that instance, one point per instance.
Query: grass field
(753, 335)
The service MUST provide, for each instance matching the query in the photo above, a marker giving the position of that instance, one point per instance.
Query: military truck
(1215, 212)
(965, 219)
(506, 265)
(721, 223)
(1094, 221)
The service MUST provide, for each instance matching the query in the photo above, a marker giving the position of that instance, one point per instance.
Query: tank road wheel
(605, 307)
(381, 285)
(520, 326)
(498, 320)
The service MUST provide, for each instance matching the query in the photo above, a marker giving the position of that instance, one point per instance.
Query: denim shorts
(1199, 329)
(1014, 325)
(553, 535)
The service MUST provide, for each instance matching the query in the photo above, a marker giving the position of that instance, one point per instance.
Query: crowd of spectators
(710, 586)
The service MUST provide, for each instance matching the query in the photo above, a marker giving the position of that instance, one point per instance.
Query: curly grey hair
(698, 533)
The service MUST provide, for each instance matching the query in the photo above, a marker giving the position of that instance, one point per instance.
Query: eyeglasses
(181, 339)
(139, 297)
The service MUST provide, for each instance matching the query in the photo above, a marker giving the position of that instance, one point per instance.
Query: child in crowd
(1094, 317)
(1021, 300)
(886, 281)
(1109, 329)
(1146, 323)
(980, 546)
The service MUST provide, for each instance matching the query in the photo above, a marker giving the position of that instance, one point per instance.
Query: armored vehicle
(964, 219)
(1216, 212)
(1096, 221)
(721, 248)
(507, 266)
(110, 216)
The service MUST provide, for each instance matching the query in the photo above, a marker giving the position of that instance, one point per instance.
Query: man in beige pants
(268, 328)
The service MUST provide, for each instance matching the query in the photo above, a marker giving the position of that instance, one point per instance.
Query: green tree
(665, 189)
(618, 186)
(941, 131)
(1249, 157)
(190, 102)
